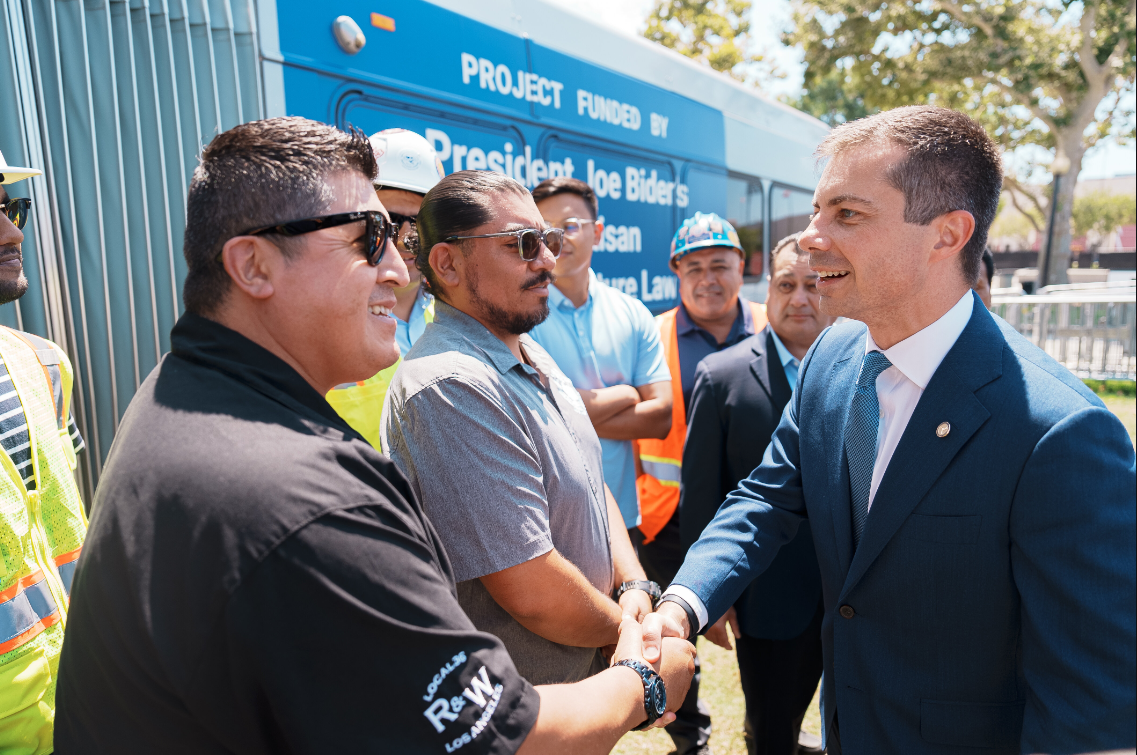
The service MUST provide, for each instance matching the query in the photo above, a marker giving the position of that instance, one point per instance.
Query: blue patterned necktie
(860, 439)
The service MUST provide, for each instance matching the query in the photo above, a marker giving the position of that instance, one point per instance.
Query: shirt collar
(479, 335)
(784, 354)
(210, 344)
(557, 300)
(919, 355)
(743, 323)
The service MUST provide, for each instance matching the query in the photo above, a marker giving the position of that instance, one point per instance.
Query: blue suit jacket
(991, 603)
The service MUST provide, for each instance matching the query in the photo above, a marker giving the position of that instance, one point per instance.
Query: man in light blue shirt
(605, 341)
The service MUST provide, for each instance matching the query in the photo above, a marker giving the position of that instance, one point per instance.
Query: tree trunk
(1069, 142)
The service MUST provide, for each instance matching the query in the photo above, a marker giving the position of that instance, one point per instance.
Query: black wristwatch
(651, 588)
(655, 693)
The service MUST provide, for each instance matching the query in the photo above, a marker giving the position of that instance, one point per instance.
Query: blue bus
(655, 135)
(115, 100)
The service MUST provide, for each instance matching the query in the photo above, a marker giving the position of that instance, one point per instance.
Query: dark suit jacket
(991, 603)
(738, 399)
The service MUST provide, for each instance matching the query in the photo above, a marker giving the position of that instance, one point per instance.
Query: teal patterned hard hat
(702, 230)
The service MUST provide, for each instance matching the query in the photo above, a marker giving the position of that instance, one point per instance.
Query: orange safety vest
(661, 461)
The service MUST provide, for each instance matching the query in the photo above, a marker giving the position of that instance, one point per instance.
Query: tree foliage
(714, 32)
(1054, 73)
(1104, 212)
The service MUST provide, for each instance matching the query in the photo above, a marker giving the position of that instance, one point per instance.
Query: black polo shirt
(257, 579)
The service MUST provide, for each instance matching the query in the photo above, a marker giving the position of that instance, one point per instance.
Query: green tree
(831, 99)
(714, 32)
(1058, 74)
(1104, 212)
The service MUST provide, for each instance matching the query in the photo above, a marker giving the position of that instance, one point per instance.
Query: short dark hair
(457, 204)
(952, 164)
(551, 187)
(989, 264)
(791, 239)
(260, 174)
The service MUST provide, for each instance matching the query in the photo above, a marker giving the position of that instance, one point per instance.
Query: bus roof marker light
(379, 21)
(348, 35)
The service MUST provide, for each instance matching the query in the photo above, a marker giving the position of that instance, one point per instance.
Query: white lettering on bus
(600, 108)
(634, 185)
(523, 167)
(531, 87)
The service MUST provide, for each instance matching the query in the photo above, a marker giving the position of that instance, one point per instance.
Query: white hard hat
(406, 161)
(12, 174)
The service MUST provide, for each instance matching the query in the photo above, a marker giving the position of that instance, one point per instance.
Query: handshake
(657, 640)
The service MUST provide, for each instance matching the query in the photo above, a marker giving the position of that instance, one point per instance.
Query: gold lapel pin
(943, 430)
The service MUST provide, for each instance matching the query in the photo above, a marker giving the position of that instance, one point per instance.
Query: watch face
(659, 697)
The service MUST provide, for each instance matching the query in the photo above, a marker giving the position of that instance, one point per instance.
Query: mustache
(542, 278)
(10, 249)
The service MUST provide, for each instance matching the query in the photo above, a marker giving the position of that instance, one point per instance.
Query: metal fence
(113, 100)
(1088, 329)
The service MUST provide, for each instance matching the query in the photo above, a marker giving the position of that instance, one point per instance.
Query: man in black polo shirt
(257, 578)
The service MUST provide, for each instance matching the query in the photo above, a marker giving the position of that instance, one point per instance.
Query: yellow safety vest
(361, 404)
(41, 536)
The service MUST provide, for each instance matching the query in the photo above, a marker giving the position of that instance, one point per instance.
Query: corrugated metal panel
(113, 99)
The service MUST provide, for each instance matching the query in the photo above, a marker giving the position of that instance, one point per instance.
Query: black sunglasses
(18, 209)
(379, 230)
(410, 239)
(529, 241)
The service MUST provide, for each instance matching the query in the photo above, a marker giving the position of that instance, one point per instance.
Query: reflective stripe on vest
(66, 566)
(41, 536)
(26, 609)
(664, 470)
(662, 460)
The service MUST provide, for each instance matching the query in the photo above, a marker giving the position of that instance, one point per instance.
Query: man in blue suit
(738, 399)
(971, 502)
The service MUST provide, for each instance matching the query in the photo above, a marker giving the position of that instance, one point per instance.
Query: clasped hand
(673, 659)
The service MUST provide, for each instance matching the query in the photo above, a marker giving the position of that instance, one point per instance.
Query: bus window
(745, 212)
(789, 211)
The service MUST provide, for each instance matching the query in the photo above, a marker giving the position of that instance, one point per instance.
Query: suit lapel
(922, 456)
(768, 370)
(759, 365)
(778, 380)
(842, 382)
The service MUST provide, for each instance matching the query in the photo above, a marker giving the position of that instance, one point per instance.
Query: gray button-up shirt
(507, 465)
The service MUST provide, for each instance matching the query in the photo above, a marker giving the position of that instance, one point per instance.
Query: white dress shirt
(898, 390)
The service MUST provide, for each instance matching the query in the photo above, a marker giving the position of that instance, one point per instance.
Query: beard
(10, 290)
(512, 322)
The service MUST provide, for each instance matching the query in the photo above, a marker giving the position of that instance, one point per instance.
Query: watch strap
(692, 617)
(647, 676)
(651, 588)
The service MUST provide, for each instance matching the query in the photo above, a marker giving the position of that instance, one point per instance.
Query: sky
(768, 19)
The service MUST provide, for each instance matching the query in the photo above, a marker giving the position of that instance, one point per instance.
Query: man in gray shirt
(498, 445)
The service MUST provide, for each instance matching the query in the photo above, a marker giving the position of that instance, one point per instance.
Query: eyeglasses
(573, 226)
(379, 230)
(410, 238)
(18, 209)
(529, 240)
